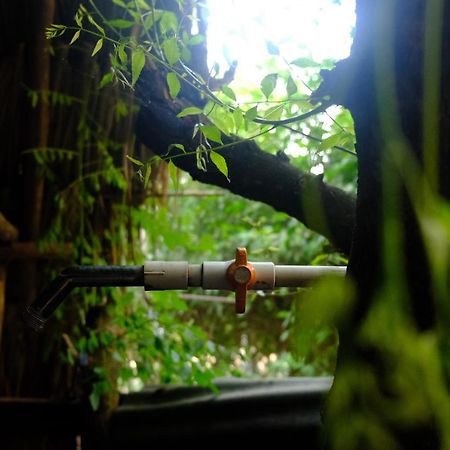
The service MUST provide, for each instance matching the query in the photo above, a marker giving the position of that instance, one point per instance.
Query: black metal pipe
(79, 276)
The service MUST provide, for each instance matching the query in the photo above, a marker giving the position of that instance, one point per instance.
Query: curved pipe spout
(79, 276)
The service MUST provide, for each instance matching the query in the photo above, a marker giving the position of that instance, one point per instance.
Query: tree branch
(253, 173)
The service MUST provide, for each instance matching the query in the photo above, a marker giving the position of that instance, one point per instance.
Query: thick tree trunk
(388, 83)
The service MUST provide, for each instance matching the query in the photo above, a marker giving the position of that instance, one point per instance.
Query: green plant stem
(219, 147)
(314, 138)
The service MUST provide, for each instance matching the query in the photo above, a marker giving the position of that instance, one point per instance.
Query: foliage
(158, 337)
(298, 336)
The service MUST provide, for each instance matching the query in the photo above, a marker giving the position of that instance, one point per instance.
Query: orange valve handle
(242, 275)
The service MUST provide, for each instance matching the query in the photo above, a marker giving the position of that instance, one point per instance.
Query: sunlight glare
(238, 30)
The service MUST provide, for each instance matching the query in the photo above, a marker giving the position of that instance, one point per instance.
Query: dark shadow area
(243, 413)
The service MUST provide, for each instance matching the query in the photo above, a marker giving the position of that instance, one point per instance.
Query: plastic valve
(242, 275)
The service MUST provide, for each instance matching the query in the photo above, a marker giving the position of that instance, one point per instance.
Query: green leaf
(220, 162)
(228, 92)
(121, 109)
(79, 17)
(274, 112)
(54, 31)
(189, 111)
(173, 173)
(186, 54)
(75, 37)
(142, 4)
(221, 117)
(168, 22)
(148, 172)
(135, 161)
(302, 104)
(238, 118)
(174, 84)
(171, 50)
(106, 79)
(97, 47)
(212, 133)
(152, 17)
(96, 25)
(251, 114)
(122, 53)
(119, 3)
(331, 141)
(137, 64)
(291, 86)
(200, 158)
(34, 98)
(178, 146)
(94, 399)
(268, 84)
(304, 62)
(196, 40)
(120, 23)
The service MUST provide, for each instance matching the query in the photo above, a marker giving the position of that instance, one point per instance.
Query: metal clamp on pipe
(238, 275)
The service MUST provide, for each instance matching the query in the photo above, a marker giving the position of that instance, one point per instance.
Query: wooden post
(8, 233)
(2, 298)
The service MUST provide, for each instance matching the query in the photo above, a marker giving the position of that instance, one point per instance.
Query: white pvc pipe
(167, 275)
(302, 276)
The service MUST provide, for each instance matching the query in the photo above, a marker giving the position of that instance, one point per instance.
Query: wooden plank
(8, 232)
(29, 251)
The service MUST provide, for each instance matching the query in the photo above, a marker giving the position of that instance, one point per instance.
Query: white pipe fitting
(214, 275)
(165, 275)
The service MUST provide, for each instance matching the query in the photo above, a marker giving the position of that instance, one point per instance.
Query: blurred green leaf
(331, 141)
(94, 400)
(251, 114)
(122, 53)
(304, 62)
(135, 161)
(228, 92)
(291, 86)
(97, 47)
(120, 23)
(137, 64)
(168, 22)
(196, 40)
(173, 172)
(174, 84)
(268, 84)
(171, 50)
(212, 133)
(106, 79)
(75, 37)
(220, 162)
(238, 117)
(189, 111)
(178, 146)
